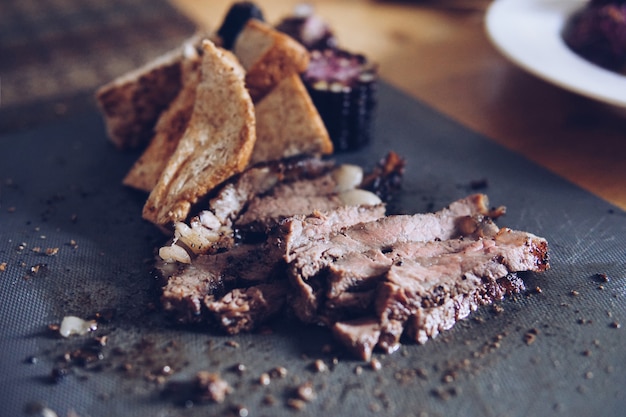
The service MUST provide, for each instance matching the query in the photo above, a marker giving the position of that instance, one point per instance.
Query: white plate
(528, 32)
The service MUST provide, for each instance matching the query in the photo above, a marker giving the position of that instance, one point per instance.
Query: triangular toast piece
(288, 124)
(268, 56)
(217, 144)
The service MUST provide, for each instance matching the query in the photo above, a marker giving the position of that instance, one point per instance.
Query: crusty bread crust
(288, 124)
(217, 144)
(268, 56)
(168, 131)
(131, 104)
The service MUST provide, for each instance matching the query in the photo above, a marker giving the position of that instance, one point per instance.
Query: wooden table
(437, 51)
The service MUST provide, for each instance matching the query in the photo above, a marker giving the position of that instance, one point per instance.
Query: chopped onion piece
(72, 325)
(174, 253)
(347, 177)
(359, 197)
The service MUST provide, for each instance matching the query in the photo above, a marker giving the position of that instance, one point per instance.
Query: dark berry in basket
(342, 86)
(597, 32)
(308, 29)
(235, 20)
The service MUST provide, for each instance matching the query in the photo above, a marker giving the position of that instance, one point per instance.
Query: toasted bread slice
(217, 143)
(288, 124)
(268, 56)
(132, 103)
(169, 129)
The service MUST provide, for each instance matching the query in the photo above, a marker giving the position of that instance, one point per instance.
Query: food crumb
(358, 370)
(232, 344)
(530, 336)
(327, 348)
(615, 325)
(3, 266)
(376, 365)
(375, 407)
(574, 293)
(52, 251)
(497, 308)
(296, 404)
(37, 409)
(586, 352)
(602, 277)
(240, 411)
(72, 325)
(264, 379)
(589, 375)
(31, 360)
(269, 400)
(239, 368)
(319, 366)
(210, 386)
(306, 392)
(278, 372)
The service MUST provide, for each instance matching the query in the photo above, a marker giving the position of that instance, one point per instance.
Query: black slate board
(61, 188)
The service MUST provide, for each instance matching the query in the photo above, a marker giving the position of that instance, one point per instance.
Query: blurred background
(55, 53)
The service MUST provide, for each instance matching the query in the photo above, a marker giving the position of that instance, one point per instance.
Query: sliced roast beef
(359, 336)
(249, 206)
(214, 275)
(244, 309)
(428, 322)
(414, 282)
(309, 257)
(237, 193)
(331, 255)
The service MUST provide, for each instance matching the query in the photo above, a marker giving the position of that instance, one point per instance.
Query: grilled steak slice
(299, 231)
(459, 279)
(243, 309)
(234, 196)
(195, 292)
(264, 212)
(359, 336)
(427, 322)
(309, 256)
(247, 208)
(419, 275)
(214, 275)
(370, 278)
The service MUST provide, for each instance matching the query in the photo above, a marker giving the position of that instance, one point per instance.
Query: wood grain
(438, 52)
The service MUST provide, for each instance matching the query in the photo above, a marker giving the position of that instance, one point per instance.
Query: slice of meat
(310, 256)
(187, 286)
(249, 207)
(424, 281)
(359, 336)
(233, 197)
(244, 309)
(459, 279)
(426, 323)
